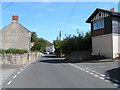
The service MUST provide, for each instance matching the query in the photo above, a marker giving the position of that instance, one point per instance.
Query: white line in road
(15, 76)
(88, 71)
(116, 84)
(21, 69)
(91, 73)
(19, 72)
(107, 77)
(9, 82)
(101, 78)
(26, 65)
(102, 75)
(96, 75)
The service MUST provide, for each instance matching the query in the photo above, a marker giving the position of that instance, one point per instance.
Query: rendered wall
(116, 44)
(15, 36)
(102, 45)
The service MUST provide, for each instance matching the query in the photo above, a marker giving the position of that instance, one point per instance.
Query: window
(99, 24)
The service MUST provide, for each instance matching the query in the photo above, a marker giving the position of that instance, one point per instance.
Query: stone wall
(15, 36)
(78, 56)
(18, 58)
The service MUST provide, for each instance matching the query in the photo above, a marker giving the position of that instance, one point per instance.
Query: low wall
(18, 58)
(78, 56)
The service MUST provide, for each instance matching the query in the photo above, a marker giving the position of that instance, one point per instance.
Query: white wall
(50, 48)
(116, 44)
(102, 44)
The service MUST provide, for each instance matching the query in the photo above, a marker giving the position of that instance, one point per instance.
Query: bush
(14, 51)
(2, 51)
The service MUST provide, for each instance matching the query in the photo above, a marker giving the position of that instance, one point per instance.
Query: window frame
(96, 24)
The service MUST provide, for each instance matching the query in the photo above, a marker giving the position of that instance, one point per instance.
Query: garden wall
(18, 58)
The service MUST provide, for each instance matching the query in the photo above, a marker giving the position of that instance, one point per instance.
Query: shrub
(2, 51)
(14, 51)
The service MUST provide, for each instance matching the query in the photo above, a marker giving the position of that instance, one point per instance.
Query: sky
(47, 19)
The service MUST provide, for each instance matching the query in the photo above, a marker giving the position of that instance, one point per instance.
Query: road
(51, 72)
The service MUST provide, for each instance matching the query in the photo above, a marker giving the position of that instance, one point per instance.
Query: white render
(106, 45)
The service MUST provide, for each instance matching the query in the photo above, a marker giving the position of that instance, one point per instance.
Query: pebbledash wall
(19, 59)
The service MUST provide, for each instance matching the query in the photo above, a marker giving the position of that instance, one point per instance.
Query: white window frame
(96, 24)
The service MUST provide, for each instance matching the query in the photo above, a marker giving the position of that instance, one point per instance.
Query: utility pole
(60, 35)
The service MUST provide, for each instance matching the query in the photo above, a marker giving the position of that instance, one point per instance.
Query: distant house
(105, 30)
(50, 48)
(15, 36)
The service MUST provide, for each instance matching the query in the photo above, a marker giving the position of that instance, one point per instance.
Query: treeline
(40, 44)
(73, 43)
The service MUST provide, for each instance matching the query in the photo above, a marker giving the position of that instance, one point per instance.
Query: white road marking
(9, 82)
(108, 77)
(26, 65)
(91, 73)
(96, 75)
(88, 71)
(107, 80)
(83, 70)
(116, 84)
(101, 78)
(19, 72)
(21, 69)
(102, 75)
(15, 76)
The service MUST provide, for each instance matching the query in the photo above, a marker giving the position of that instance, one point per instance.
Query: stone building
(15, 36)
(105, 30)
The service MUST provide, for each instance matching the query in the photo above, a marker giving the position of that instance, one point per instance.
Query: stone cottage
(15, 36)
(105, 30)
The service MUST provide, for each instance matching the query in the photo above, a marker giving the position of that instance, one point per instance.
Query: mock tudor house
(105, 30)
(15, 36)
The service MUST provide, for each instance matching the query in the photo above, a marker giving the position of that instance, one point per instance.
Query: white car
(46, 53)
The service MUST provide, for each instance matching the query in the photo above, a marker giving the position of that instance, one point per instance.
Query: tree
(73, 43)
(40, 43)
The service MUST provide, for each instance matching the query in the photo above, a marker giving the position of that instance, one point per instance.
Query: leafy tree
(73, 43)
(58, 47)
(40, 43)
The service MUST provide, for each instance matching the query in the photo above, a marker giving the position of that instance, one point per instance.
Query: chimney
(113, 9)
(14, 18)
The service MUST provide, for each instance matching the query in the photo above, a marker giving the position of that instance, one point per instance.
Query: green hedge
(13, 51)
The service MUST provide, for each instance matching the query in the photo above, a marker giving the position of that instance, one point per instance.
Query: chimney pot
(14, 18)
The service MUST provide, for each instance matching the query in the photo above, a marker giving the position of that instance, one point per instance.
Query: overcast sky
(48, 18)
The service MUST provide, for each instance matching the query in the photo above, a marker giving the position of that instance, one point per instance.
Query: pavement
(6, 70)
(51, 72)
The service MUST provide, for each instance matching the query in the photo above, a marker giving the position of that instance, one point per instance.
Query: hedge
(13, 51)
